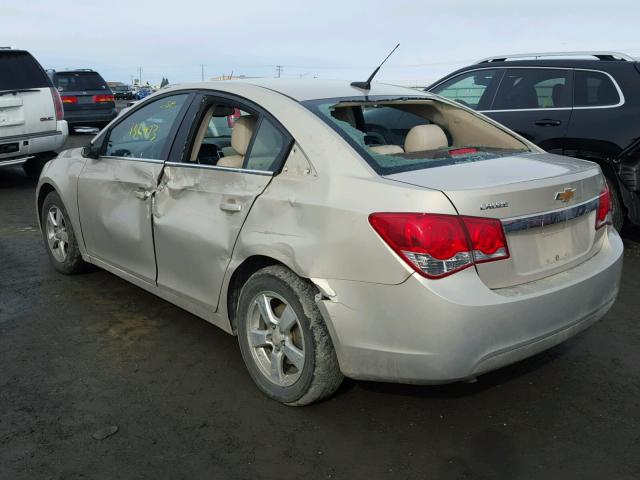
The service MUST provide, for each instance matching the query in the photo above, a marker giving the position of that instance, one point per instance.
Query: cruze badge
(493, 205)
(566, 195)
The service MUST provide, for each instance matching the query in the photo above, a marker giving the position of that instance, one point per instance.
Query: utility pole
(279, 69)
(139, 75)
(202, 70)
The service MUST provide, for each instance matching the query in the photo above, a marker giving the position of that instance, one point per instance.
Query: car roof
(306, 89)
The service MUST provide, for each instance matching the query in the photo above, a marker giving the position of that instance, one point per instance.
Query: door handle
(548, 122)
(143, 194)
(231, 206)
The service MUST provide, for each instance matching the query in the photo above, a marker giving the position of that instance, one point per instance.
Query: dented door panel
(198, 212)
(114, 203)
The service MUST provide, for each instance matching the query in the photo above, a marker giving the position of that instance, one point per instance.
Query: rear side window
(469, 89)
(594, 89)
(20, 70)
(533, 88)
(79, 81)
(268, 144)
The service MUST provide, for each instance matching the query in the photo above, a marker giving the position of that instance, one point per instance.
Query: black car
(88, 101)
(584, 105)
(122, 92)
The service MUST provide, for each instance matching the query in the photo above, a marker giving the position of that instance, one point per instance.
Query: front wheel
(59, 237)
(284, 341)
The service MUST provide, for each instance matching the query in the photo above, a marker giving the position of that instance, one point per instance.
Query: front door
(206, 193)
(116, 190)
(535, 103)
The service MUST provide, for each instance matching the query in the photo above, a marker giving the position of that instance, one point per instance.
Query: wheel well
(45, 190)
(247, 268)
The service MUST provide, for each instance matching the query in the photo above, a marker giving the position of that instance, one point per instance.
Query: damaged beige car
(379, 234)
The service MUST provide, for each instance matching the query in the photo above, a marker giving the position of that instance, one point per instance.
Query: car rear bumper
(89, 117)
(425, 331)
(31, 144)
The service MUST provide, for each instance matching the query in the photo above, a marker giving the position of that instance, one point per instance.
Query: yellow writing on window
(142, 131)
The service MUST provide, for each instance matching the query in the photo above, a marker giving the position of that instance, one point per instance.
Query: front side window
(594, 89)
(533, 88)
(146, 132)
(470, 89)
(434, 134)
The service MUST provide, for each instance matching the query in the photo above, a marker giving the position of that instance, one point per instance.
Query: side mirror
(91, 151)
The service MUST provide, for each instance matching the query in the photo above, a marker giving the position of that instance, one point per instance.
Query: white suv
(32, 122)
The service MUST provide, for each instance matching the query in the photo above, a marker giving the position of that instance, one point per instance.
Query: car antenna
(367, 85)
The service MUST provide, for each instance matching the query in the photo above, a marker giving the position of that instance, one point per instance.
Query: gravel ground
(99, 379)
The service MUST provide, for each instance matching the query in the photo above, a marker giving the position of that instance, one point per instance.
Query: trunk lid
(546, 203)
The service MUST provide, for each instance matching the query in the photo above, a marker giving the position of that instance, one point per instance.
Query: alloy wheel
(57, 235)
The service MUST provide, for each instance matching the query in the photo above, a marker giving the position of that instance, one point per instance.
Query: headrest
(425, 137)
(241, 133)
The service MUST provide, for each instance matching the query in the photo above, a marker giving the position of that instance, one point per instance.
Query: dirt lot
(84, 353)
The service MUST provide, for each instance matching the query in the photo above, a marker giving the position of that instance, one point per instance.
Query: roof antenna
(367, 85)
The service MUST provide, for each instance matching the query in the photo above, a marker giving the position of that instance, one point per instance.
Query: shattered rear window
(403, 134)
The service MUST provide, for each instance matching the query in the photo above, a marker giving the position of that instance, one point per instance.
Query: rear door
(535, 103)
(115, 191)
(26, 101)
(200, 206)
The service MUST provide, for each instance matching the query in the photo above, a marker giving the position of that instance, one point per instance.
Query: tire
(34, 166)
(59, 238)
(306, 368)
(617, 209)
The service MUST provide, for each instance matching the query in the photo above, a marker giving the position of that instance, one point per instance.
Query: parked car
(143, 93)
(581, 104)
(88, 101)
(458, 249)
(32, 122)
(122, 92)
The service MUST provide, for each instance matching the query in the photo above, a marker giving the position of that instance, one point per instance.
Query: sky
(333, 39)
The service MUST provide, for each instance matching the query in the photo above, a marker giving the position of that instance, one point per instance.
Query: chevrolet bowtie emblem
(566, 195)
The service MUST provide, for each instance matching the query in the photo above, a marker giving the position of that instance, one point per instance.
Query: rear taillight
(69, 99)
(603, 216)
(436, 245)
(102, 98)
(57, 103)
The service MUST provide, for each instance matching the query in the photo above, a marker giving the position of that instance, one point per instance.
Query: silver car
(386, 235)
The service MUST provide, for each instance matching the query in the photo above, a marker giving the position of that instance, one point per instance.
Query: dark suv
(584, 105)
(88, 101)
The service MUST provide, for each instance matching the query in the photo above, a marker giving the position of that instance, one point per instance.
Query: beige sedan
(386, 234)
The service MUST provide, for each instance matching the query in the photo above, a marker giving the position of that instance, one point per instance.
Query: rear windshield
(79, 81)
(20, 70)
(397, 135)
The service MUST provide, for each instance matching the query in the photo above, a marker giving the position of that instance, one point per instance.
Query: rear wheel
(284, 341)
(617, 209)
(59, 237)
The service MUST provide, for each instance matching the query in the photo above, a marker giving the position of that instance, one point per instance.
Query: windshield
(76, 81)
(396, 135)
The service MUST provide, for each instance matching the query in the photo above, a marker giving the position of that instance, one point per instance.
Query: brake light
(69, 99)
(603, 216)
(102, 98)
(437, 245)
(57, 104)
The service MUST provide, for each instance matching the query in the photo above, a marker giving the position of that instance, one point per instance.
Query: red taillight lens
(103, 98)
(437, 245)
(487, 239)
(57, 103)
(604, 207)
(69, 99)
